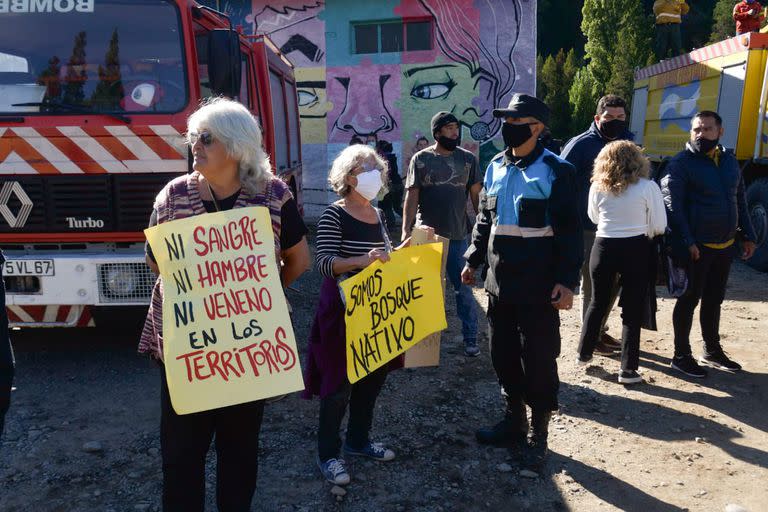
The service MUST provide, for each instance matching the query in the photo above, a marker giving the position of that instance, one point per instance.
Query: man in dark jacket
(707, 208)
(528, 233)
(610, 124)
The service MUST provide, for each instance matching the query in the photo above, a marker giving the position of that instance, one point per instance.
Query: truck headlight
(120, 281)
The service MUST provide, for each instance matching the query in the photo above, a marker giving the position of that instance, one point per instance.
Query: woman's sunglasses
(206, 139)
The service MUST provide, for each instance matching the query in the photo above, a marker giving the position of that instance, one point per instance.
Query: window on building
(392, 36)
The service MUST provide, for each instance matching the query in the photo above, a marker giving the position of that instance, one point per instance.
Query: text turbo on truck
(94, 98)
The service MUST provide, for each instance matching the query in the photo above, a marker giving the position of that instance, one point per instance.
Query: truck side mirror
(224, 62)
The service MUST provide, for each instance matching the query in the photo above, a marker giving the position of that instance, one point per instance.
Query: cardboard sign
(390, 307)
(227, 335)
(427, 351)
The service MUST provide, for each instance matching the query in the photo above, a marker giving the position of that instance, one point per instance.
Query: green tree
(76, 75)
(619, 39)
(723, 25)
(555, 75)
(109, 90)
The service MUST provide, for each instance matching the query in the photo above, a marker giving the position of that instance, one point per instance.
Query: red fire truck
(94, 98)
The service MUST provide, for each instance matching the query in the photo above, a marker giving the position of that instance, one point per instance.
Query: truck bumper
(82, 279)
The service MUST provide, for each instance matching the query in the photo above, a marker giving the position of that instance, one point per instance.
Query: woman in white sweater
(629, 211)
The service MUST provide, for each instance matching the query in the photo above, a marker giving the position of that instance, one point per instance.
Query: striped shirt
(340, 235)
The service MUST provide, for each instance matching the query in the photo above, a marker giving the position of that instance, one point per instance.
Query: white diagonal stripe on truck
(132, 141)
(93, 148)
(173, 138)
(51, 153)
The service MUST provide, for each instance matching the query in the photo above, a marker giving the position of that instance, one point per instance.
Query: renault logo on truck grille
(18, 220)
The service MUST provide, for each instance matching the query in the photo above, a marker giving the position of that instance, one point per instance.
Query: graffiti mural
(417, 57)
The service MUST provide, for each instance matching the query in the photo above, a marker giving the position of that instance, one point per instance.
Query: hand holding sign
(391, 307)
(227, 335)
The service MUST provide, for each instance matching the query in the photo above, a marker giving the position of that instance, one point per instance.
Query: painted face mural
(385, 67)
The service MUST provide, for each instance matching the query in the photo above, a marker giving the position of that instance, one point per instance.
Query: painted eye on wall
(432, 91)
(307, 98)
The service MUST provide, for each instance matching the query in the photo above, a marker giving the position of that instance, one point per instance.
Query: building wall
(483, 51)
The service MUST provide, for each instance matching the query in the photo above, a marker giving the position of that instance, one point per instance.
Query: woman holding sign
(231, 170)
(350, 236)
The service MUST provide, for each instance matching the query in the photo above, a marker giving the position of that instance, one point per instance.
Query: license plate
(28, 268)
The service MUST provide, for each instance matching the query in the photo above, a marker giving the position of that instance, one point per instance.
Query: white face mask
(369, 184)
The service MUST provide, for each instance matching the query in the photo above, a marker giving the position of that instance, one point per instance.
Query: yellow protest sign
(227, 335)
(392, 306)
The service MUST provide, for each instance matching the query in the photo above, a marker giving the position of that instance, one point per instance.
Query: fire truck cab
(94, 98)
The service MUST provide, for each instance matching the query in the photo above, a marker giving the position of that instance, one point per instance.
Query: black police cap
(524, 105)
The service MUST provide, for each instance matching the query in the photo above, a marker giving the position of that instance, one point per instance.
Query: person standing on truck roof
(440, 177)
(231, 170)
(748, 16)
(528, 232)
(707, 210)
(610, 124)
(669, 14)
(6, 354)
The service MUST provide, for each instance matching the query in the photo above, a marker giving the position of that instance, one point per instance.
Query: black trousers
(707, 279)
(610, 258)
(361, 398)
(668, 37)
(185, 439)
(7, 363)
(525, 343)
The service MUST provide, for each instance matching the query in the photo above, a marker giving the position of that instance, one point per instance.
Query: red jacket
(744, 21)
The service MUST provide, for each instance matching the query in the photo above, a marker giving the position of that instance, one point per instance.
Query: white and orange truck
(729, 77)
(94, 98)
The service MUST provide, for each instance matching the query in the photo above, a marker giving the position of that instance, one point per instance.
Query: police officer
(528, 231)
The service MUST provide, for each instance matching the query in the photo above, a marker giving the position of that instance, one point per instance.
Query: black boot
(537, 442)
(510, 431)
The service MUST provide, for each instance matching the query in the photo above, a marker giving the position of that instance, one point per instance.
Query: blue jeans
(465, 301)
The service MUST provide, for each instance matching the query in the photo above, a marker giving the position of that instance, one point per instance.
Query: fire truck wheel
(757, 199)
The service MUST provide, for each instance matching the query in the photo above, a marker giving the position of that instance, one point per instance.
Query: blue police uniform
(528, 232)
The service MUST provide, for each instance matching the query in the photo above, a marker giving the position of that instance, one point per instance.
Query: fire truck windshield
(104, 56)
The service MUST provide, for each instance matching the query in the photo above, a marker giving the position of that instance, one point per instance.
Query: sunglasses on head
(205, 138)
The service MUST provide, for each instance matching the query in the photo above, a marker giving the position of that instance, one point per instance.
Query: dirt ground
(83, 430)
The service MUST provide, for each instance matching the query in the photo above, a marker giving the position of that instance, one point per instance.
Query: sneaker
(720, 361)
(610, 341)
(375, 451)
(334, 471)
(602, 349)
(584, 360)
(471, 349)
(629, 377)
(688, 366)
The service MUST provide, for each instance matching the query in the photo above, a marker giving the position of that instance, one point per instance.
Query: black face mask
(704, 145)
(515, 135)
(448, 143)
(613, 129)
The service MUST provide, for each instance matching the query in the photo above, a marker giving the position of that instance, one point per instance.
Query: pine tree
(76, 76)
(723, 25)
(619, 38)
(109, 90)
(555, 76)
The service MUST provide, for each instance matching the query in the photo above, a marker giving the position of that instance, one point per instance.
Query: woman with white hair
(350, 236)
(230, 170)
